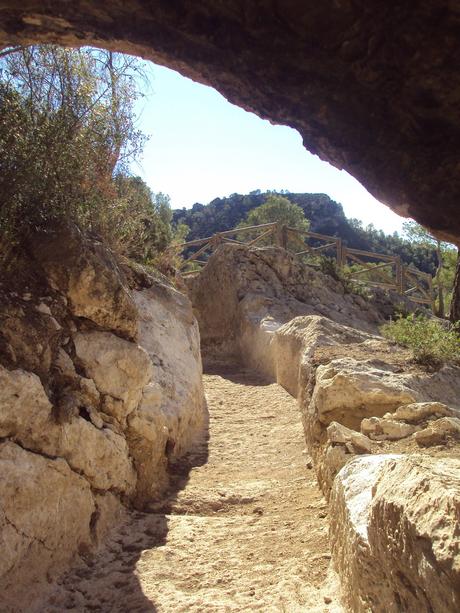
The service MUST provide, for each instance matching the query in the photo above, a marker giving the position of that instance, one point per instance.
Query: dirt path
(247, 531)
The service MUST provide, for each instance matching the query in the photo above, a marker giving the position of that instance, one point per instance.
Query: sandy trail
(244, 530)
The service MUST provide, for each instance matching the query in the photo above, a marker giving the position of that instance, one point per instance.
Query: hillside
(326, 216)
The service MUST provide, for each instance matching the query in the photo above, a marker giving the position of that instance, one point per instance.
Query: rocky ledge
(100, 390)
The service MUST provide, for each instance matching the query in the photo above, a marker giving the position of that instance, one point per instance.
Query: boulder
(394, 533)
(28, 338)
(45, 517)
(119, 368)
(439, 431)
(348, 391)
(342, 445)
(354, 441)
(409, 419)
(87, 273)
(421, 411)
(385, 429)
(413, 533)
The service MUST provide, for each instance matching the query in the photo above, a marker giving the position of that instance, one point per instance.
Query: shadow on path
(107, 581)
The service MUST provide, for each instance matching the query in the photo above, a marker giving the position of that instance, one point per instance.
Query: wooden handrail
(371, 254)
(282, 234)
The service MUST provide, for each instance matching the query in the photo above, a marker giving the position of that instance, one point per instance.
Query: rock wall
(370, 86)
(243, 296)
(394, 533)
(100, 389)
(384, 438)
(383, 434)
(386, 451)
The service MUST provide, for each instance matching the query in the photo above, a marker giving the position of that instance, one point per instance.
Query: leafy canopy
(67, 137)
(277, 208)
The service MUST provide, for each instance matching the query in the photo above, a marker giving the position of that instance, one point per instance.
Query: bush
(328, 266)
(67, 136)
(431, 342)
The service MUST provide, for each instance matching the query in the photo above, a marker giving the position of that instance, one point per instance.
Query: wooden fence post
(399, 275)
(217, 240)
(339, 253)
(430, 286)
(281, 235)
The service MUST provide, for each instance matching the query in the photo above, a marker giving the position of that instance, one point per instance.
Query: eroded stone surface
(88, 275)
(439, 432)
(78, 393)
(119, 369)
(394, 533)
(45, 517)
(244, 296)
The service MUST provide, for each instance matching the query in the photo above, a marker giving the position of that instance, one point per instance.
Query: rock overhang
(372, 87)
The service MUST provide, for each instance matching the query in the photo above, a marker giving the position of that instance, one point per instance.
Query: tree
(455, 304)
(276, 208)
(443, 277)
(67, 136)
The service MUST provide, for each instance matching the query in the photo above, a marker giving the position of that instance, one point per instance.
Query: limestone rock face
(349, 384)
(119, 369)
(45, 517)
(171, 415)
(394, 533)
(88, 275)
(296, 341)
(347, 391)
(243, 296)
(371, 87)
(100, 390)
(368, 396)
(26, 417)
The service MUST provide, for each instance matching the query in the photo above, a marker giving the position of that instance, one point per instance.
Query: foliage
(67, 137)
(446, 257)
(432, 342)
(447, 275)
(325, 216)
(138, 221)
(275, 209)
(329, 267)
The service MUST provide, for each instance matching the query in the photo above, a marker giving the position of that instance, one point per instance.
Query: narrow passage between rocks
(244, 530)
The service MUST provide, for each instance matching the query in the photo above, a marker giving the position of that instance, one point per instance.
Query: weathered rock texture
(372, 86)
(100, 390)
(394, 533)
(383, 434)
(243, 296)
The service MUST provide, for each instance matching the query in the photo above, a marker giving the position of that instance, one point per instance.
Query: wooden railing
(367, 267)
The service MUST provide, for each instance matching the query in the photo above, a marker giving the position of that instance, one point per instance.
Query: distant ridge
(326, 217)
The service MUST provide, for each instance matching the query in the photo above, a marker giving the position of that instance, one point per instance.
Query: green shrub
(431, 342)
(328, 266)
(67, 136)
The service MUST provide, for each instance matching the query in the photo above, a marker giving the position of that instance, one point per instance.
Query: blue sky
(202, 147)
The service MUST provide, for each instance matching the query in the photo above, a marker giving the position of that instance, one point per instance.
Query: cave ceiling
(372, 86)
